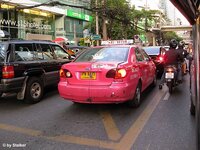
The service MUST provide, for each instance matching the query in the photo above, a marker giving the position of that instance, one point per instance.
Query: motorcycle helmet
(181, 44)
(173, 43)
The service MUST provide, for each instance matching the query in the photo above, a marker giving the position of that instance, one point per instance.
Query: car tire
(135, 102)
(192, 108)
(154, 83)
(34, 90)
(170, 87)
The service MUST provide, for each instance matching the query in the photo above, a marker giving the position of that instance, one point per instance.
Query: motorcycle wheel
(170, 87)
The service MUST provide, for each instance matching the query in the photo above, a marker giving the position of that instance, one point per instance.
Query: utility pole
(75, 32)
(104, 21)
(97, 22)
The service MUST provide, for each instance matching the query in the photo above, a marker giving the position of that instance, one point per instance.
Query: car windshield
(118, 54)
(3, 48)
(152, 50)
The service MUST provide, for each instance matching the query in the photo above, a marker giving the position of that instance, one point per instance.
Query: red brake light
(121, 73)
(160, 59)
(65, 73)
(111, 73)
(116, 74)
(8, 72)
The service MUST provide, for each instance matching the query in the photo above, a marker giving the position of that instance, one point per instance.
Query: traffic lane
(13, 140)
(171, 127)
(55, 109)
(55, 117)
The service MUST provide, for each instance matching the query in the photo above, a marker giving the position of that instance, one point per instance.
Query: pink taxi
(111, 74)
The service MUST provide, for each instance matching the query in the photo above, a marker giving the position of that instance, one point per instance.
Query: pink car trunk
(90, 73)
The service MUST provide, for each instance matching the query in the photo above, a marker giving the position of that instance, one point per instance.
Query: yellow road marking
(20, 130)
(125, 143)
(61, 138)
(110, 126)
(131, 135)
(84, 141)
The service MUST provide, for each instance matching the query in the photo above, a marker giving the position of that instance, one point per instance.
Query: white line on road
(167, 95)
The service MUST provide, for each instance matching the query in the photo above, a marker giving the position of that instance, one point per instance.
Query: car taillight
(65, 73)
(169, 70)
(8, 72)
(111, 73)
(120, 73)
(116, 73)
(160, 58)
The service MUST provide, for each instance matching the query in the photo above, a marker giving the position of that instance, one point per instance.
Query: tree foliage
(167, 36)
(123, 20)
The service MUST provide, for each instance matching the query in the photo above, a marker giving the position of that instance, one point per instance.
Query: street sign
(95, 37)
(113, 42)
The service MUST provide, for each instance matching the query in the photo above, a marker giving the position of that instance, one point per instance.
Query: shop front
(27, 23)
(74, 25)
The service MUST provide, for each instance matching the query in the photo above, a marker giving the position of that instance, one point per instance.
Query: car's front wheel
(34, 90)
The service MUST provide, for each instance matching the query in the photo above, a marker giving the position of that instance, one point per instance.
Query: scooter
(170, 77)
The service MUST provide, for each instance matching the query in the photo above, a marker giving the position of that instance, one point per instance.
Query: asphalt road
(162, 122)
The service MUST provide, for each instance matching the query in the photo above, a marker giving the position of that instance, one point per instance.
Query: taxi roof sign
(115, 42)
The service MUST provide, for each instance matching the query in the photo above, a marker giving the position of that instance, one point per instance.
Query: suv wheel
(34, 90)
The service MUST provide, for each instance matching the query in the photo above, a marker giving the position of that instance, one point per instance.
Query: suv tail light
(116, 73)
(8, 72)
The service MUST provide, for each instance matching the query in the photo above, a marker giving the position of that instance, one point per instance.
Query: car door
(150, 68)
(48, 63)
(143, 67)
(24, 58)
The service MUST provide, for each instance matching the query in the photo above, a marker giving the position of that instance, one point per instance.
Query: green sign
(142, 37)
(95, 37)
(81, 16)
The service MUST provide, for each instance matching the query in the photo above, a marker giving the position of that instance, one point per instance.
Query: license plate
(169, 75)
(88, 75)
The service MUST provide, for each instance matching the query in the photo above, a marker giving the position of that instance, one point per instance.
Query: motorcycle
(170, 77)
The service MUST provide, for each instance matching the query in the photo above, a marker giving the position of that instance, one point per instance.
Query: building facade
(28, 19)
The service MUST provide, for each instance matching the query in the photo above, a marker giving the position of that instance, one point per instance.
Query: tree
(123, 21)
(167, 36)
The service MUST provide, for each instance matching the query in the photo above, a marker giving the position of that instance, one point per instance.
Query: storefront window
(8, 19)
(41, 23)
(26, 21)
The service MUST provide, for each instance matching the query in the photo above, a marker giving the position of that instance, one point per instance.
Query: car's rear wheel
(34, 90)
(135, 102)
(192, 107)
(153, 84)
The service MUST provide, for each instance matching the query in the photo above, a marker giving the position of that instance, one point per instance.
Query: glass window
(152, 50)
(138, 55)
(24, 52)
(46, 51)
(104, 54)
(60, 52)
(146, 56)
(3, 48)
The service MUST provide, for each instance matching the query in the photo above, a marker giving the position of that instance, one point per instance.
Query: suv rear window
(3, 48)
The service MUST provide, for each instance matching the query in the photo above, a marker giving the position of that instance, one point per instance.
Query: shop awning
(188, 8)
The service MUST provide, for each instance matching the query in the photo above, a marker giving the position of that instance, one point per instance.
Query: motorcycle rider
(172, 57)
(184, 53)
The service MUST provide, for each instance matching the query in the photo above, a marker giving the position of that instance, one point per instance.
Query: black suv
(27, 67)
